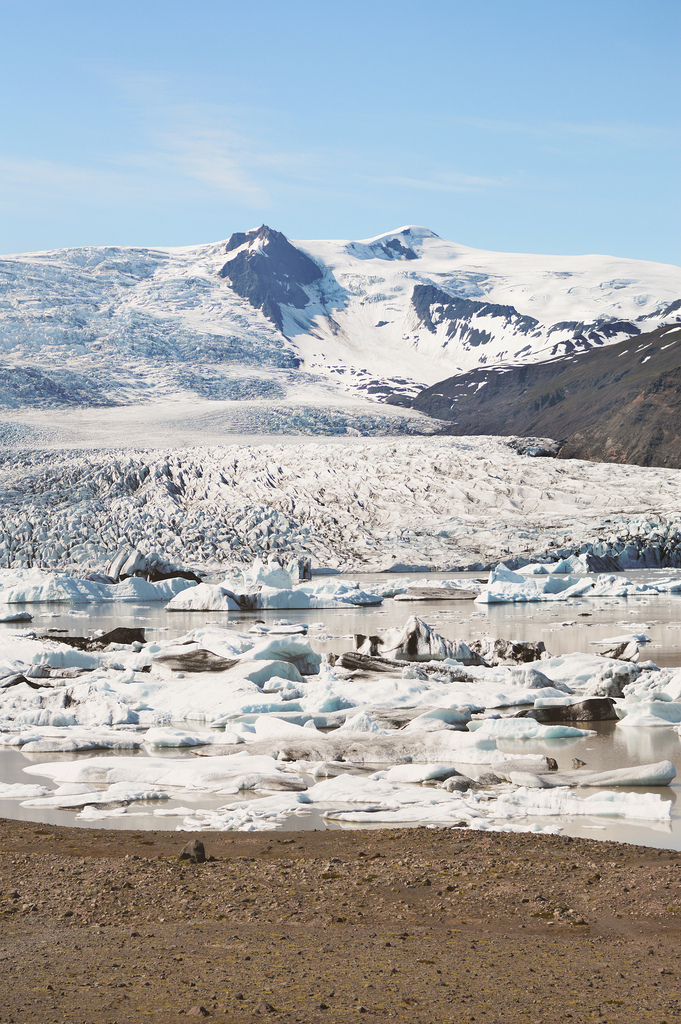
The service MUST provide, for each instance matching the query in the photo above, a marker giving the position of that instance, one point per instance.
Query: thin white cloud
(450, 182)
(620, 132)
(53, 181)
(215, 158)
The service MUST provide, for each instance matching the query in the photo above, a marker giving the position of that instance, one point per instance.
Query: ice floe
(223, 597)
(545, 583)
(38, 586)
(278, 730)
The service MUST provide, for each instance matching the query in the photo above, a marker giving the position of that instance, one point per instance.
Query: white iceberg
(39, 586)
(506, 586)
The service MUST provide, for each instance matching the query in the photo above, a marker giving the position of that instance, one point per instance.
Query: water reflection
(564, 626)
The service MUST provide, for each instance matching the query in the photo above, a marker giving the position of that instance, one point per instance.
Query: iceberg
(223, 597)
(38, 586)
(506, 586)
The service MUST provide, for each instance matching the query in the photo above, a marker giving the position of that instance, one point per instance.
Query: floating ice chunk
(529, 780)
(524, 801)
(211, 774)
(525, 729)
(67, 657)
(362, 722)
(355, 789)
(419, 772)
(226, 643)
(286, 648)
(337, 593)
(50, 739)
(138, 589)
(204, 597)
(439, 718)
(8, 616)
(271, 727)
(38, 586)
(41, 717)
(575, 563)
(221, 597)
(285, 781)
(21, 791)
(172, 812)
(618, 586)
(272, 573)
(93, 813)
(262, 673)
(648, 714)
(175, 738)
(506, 586)
(574, 671)
(503, 764)
(670, 586)
(443, 815)
(116, 796)
(532, 679)
(660, 774)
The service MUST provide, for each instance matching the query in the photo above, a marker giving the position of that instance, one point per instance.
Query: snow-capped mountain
(262, 320)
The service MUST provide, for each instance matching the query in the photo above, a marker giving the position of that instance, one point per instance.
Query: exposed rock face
(434, 307)
(269, 271)
(618, 403)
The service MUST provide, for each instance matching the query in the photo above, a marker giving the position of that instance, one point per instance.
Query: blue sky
(531, 126)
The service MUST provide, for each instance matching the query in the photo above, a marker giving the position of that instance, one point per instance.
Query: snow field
(110, 326)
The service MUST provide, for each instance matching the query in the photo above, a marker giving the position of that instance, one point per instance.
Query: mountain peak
(264, 268)
(408, 232)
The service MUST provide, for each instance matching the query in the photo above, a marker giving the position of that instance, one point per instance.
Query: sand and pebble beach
(407, 925)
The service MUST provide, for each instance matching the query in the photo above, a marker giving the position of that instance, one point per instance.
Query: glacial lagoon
(580, 624)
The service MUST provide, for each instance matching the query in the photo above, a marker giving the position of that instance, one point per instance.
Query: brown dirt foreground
(418, 925)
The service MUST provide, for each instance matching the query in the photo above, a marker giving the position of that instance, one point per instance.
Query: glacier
(348, 504)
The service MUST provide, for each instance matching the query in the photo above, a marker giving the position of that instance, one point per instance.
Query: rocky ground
(417, 925)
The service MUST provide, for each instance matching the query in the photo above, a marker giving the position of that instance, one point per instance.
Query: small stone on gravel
(194, 851)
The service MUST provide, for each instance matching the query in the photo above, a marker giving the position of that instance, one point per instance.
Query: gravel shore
(418, 925)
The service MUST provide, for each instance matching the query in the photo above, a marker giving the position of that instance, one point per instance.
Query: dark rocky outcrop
(433, 306)
(269, 272)
(614, 403)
